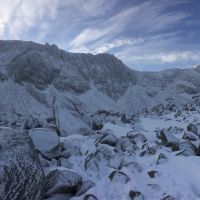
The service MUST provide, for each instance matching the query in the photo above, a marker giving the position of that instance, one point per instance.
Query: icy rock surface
(45, 140)
(21, 174)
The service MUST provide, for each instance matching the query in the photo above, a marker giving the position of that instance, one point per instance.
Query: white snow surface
(177, 176)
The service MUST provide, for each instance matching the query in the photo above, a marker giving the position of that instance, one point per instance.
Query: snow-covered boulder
(187, 148)
(98, 161)
(195, 128)
(168, 138)
(62, 182)
(46, 141)
(21, 174)
(96, 125)
(126, 144)
(119, 176)
(108, 138)
(190, 136)
(69, 117)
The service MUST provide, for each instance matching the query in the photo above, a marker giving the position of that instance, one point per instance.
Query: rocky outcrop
(46, 141)
(21, 174)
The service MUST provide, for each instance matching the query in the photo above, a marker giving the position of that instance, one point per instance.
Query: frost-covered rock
(96, 125)
(21, 174)
(46, 141)
(119, 176)
(97, 162)
(190, 136)
(69, 118)
(187, 148)
(108, 138)
(195, 128)
(126, 144)
(62, 182)
(168, 138)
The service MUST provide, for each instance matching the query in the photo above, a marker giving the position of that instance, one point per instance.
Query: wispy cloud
(168, 57)
(105, 47)
(135, 31)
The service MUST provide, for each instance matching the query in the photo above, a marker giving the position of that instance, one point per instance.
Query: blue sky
(146, 35)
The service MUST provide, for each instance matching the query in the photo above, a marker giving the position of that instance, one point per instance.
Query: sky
(147, 35)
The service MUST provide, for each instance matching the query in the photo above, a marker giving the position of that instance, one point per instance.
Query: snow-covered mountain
(32, 75)
(83, 126)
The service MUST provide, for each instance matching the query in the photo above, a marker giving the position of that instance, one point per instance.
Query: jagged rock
(125, 119)
(46, 141)
(149, 150)
(108, 138)
(152, 173)
(168, 139)
(119, 176)
(96, 125)
(161, 158)
(85, 187)
(98, 161)
(90, 197)
(190, 136)
(21, 174)
(187, 148)
(62, 181)
(136, 195)
(126, 144)
(137, 138)
(195, 128)
(69, 116)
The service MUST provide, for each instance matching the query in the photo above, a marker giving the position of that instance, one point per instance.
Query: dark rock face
(31, 67)
(21, 174)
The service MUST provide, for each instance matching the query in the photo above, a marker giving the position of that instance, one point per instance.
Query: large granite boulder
(21, 174)
(46, 141)
(69, 117)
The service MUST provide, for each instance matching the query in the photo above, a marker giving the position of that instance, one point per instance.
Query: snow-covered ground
(144, 168)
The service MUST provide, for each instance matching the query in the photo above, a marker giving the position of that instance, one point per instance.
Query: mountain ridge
(41, 72)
